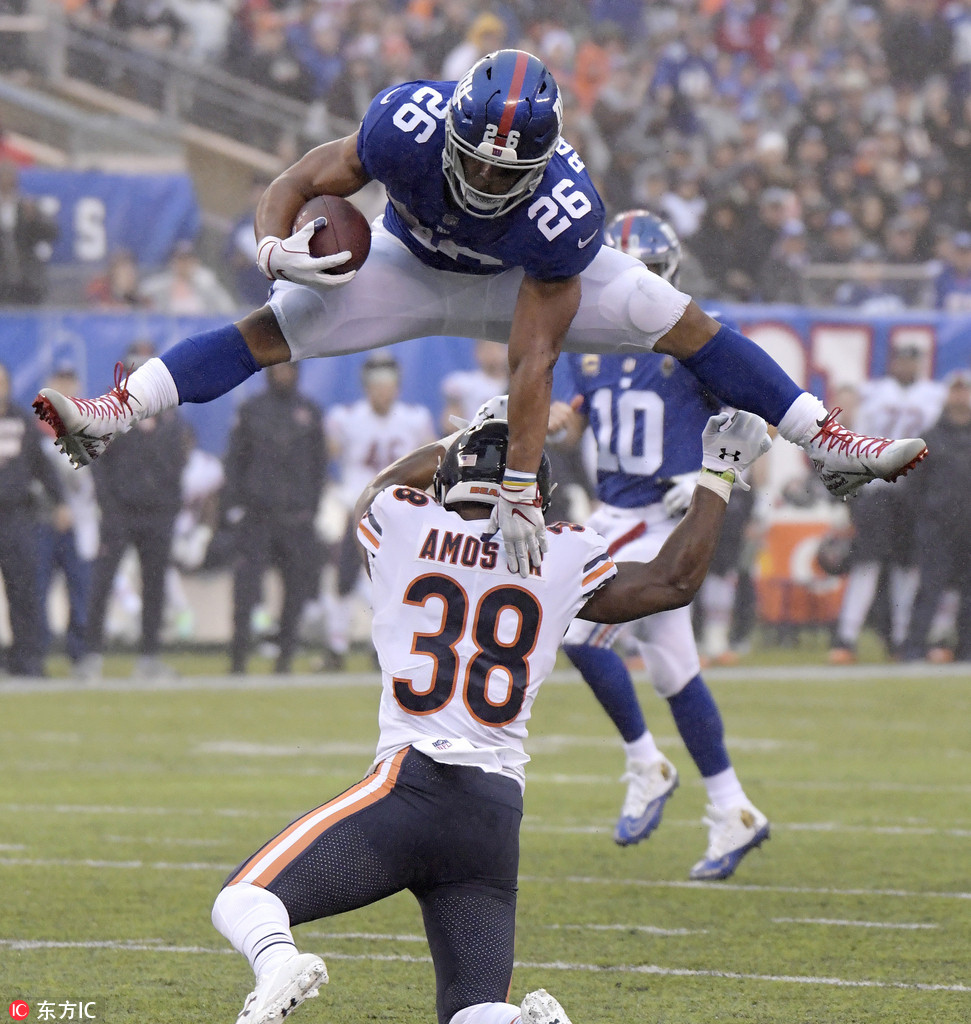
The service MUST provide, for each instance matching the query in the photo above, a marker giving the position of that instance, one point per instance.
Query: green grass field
(122, 810)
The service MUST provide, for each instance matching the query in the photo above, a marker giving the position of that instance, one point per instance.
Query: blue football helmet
(648, 238)
(507, 112)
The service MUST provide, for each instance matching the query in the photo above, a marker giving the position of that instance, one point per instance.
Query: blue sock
(205, 366)
(700, 723)
(604, 671)
(738, 372)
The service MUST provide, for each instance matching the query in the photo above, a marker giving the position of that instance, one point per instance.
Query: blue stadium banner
(822, 350)
(98, 213)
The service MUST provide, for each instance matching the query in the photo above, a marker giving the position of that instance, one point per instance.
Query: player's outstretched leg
(540, 1007)
(651, 778)
(845, 460)
(257, 924)
(84, 427)
(732, 832)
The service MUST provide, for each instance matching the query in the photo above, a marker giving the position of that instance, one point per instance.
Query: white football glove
(289, 258)
(518, 515)
(677, 497)
(494, 409)
(734, 440)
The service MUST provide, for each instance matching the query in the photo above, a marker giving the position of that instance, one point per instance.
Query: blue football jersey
(647, 413)
(555, 233)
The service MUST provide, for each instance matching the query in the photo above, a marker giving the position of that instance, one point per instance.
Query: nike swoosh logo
(586, 241)
(390, 96)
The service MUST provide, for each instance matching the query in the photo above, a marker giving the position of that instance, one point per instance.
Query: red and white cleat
(845, 460)
(84, 427)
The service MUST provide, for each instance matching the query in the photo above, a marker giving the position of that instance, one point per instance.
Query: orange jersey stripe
(598, 572)
(265, 865)
(370, 536)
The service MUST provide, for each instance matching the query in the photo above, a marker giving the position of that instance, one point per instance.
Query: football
(346, 228)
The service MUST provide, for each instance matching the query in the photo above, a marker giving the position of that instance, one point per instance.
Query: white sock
(642, 749)
(801, 421)
(487, 1013)
(724, 790)
(257, 925)
(152, 388)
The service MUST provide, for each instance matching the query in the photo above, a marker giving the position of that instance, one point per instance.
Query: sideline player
(646, 412)
(464, 644)
(493, 229)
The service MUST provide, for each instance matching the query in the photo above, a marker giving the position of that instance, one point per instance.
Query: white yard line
(721, 887)
(839, 923)
(796, 674)
(155, 947)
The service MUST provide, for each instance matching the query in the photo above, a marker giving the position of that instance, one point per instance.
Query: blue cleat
(732, 833)
(649, 786)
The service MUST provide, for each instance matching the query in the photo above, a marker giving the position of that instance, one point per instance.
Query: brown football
(346, 228)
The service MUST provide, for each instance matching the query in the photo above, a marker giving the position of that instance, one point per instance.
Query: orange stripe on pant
(282, 850)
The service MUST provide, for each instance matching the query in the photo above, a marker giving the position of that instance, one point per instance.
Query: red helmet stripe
(625, 233)
(512, 98)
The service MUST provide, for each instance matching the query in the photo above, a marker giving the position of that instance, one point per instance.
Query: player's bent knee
(643, 302)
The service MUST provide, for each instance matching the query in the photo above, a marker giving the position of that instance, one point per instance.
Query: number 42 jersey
(463, 643)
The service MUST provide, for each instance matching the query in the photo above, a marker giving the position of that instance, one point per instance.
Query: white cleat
(845, 460)
(649, 786)
(731, 834)
(540, 1007)
(84, 427)
(277, 995)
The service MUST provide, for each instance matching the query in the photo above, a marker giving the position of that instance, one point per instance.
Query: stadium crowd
(772, 135)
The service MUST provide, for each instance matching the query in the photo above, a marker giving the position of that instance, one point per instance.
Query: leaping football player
(493, 229)
(464, 643)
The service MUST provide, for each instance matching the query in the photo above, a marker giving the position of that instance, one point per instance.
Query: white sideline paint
(852, 924)
(154, 946)
(794, 674)
(726, 887)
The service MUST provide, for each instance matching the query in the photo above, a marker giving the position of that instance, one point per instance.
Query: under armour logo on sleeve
(726, 455)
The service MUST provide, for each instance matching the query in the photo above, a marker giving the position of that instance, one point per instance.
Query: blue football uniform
(647, 413)
(555, 233)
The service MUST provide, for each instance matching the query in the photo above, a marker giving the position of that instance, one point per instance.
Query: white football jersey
(369, 443)
(891, 409)
(464, 644)
(469, 389)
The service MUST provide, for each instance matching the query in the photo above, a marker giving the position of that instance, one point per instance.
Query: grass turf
(124, 808)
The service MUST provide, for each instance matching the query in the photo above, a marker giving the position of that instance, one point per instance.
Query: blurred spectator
(364, 438)
(902, 403)
(866, 290)
(716, 245)
(463, 391)
(69, 550)
(275, 466)
(117, 287)
(684, 204)
(842, 238)
(916, 40)
(943, 542)
(486, 33)
(781, 277)
(952, 286)
(139, 494)
(26, 237)
(186, 287)
(901, 251)
(10, 151)
(350, 95)
(315, 40)
(251, 285)
(22, 465)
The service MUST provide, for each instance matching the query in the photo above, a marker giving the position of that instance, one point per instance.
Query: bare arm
(332, 169)
(543, 314)
(671, 579)
(694, 329)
